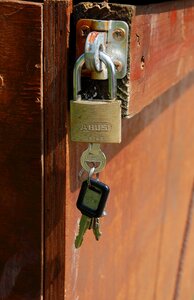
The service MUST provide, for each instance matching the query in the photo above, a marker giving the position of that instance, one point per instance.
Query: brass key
(96, 229)
(83, 226)
(93, 154)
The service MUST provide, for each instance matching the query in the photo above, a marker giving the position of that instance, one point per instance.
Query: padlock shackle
(112, 82)
(77, 77)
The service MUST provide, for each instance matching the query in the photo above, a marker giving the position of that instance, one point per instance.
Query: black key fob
(92, 198)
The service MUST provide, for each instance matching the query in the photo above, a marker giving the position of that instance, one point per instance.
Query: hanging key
(94, 121)
(84, 224)
(91, 224)
(96, 228)
(91, 202)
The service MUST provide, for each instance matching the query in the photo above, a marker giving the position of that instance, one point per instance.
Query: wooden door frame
(56, 30)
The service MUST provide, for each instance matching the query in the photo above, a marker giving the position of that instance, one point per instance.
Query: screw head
(118, 65)
(142, 62)
(84, 30)
(119, 34)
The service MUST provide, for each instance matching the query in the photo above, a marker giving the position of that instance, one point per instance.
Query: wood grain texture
(179, 184)
(56, 32)
(143, 249)
(185, 274)
(20, 150)
(151, 176)
(160, 46)
(146, 248)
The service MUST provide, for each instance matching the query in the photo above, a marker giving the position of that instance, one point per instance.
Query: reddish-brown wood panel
(147, 236)
(20, 150)
(161, 49)
(143, 248)
(150, 175)
(179, 185)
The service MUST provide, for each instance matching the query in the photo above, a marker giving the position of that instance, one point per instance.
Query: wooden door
(146, 250)
(20, 150)
(33, 97)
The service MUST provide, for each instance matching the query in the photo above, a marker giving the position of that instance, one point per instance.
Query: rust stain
(93, 36)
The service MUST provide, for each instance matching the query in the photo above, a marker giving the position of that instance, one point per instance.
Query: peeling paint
(38, 100)
(37, 66)
(2, 83)
(138, 40)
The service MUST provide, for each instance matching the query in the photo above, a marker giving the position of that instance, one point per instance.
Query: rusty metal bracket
(116, 44)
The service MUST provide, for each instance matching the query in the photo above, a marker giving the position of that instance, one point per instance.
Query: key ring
(89, 174)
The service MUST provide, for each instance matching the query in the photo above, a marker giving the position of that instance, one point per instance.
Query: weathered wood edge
(21, 2)
(56, 34)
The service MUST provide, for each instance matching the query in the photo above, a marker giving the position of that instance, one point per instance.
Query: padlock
(95, 121)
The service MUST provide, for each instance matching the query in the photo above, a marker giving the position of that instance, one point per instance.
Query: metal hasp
(115, 43)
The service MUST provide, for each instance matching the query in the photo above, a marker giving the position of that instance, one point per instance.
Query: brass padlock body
(96, 121)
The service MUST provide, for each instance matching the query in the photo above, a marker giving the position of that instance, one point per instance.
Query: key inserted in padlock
(96, 121)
